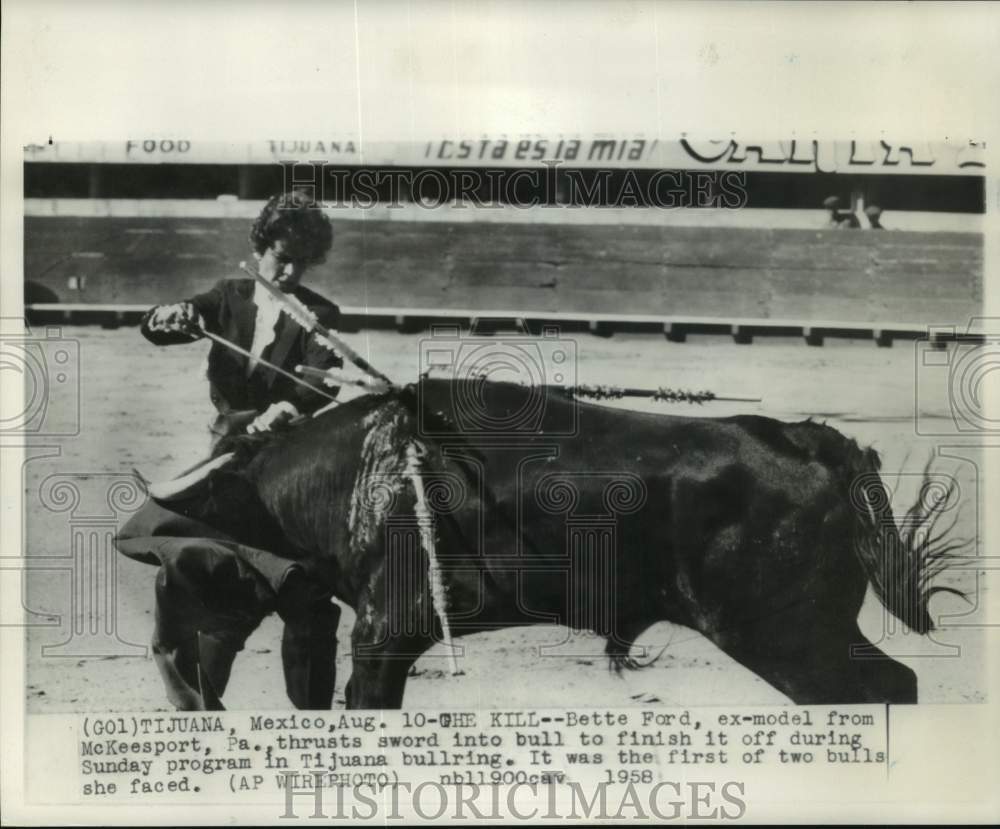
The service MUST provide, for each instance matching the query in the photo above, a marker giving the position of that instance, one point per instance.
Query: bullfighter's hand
(177, 317)
(273, 415)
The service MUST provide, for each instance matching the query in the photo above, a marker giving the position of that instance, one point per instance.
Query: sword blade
(233, 347)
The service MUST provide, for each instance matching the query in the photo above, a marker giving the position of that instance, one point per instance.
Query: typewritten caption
(210, 757)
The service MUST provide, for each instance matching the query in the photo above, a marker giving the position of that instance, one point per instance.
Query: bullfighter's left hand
(177, 317)
(273, 415)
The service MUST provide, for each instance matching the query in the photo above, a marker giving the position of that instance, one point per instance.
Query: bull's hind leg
(883, 679)
(806, 663)
(816, 665)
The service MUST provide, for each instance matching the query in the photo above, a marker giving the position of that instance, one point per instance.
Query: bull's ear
(221, 504)
(223, 481)
(231, 493)
(233, 506)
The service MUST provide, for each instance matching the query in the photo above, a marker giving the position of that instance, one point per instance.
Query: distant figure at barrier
(840, 219)
(874, 214)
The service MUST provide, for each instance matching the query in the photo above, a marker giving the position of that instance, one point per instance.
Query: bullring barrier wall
(864, 279)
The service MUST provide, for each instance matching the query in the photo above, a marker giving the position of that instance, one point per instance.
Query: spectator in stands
(840, 219)
(874, 214)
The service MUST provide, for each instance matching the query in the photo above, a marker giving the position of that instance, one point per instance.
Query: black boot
(215, 663)
(178, 666)
(309, 642)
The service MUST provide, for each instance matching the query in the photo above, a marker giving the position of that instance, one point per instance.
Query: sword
(307, 319)
(233, 347)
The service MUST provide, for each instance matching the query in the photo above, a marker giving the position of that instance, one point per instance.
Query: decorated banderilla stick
(307, 319)
(332, 377)
(661, 394)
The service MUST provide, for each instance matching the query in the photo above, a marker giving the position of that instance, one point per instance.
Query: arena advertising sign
(794, 154)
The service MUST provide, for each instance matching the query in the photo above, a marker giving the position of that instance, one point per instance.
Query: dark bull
(762, 536)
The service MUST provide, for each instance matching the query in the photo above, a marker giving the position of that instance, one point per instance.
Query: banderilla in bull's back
(658, 395)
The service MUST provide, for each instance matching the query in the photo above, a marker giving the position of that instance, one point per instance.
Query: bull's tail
(903, 559)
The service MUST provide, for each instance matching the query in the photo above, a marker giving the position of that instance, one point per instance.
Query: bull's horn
(141, 479)
(166, 490)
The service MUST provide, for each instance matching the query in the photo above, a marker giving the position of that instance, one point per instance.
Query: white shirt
(268, 313)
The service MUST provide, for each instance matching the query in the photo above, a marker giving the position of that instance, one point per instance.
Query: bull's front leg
(385, 644)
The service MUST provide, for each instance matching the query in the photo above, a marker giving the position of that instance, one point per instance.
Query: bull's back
(662, 483)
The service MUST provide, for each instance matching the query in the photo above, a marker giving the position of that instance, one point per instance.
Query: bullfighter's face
(280, 266)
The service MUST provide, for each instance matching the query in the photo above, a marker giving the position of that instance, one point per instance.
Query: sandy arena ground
(147, 407)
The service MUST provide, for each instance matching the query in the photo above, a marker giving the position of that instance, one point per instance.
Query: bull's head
(231, 447)
(219, 492)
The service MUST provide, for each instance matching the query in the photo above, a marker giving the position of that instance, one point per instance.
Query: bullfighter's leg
(379, 682)
(308, 645)
(207, 604)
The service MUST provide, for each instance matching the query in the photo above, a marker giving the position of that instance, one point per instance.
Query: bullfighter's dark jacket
(229, 311)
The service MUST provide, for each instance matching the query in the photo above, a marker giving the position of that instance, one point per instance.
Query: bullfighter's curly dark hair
(295, 218)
